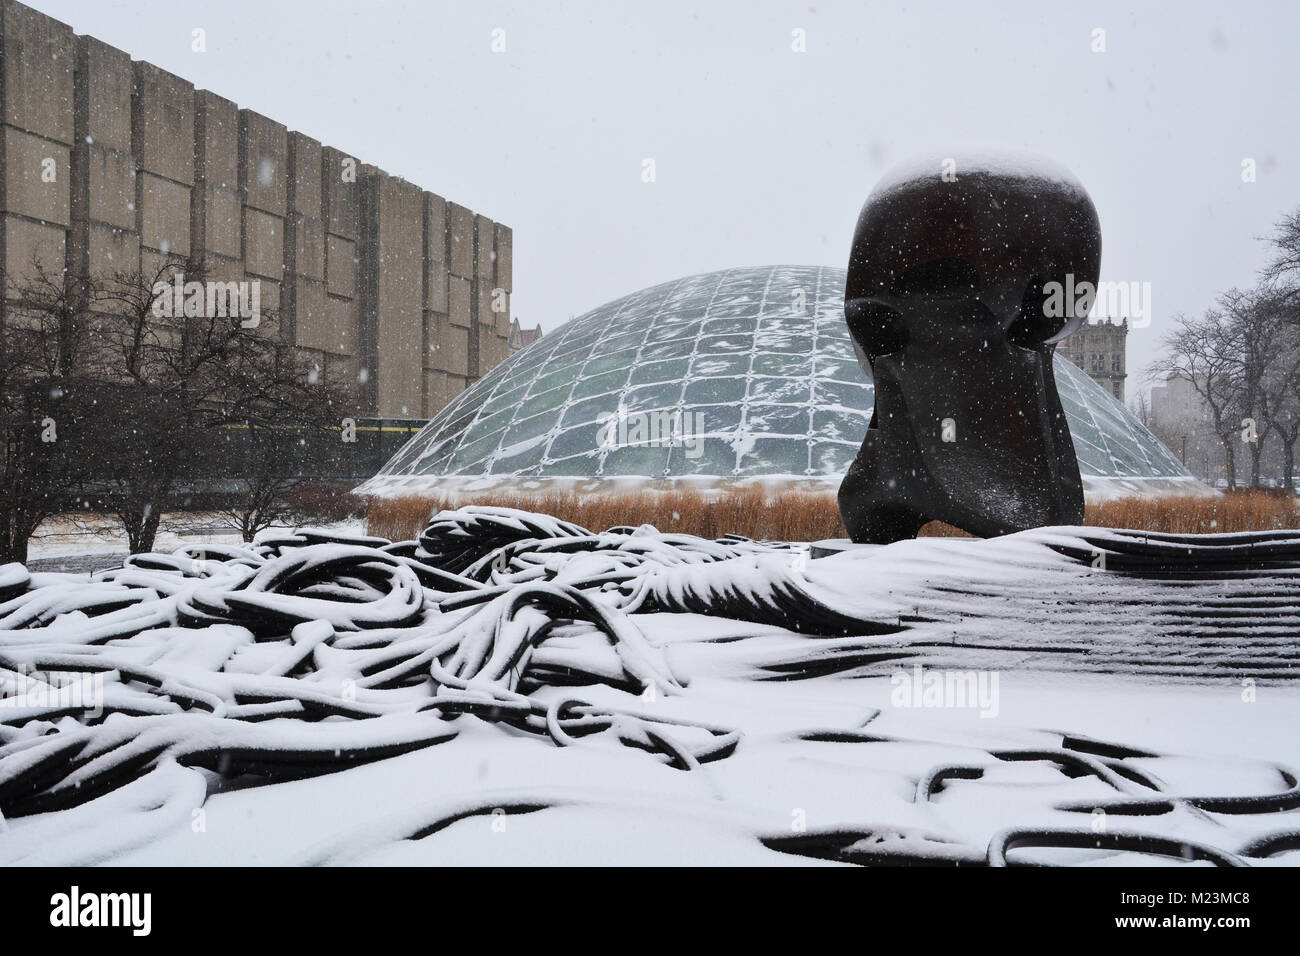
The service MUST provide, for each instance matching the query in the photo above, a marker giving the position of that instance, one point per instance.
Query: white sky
(764, 155)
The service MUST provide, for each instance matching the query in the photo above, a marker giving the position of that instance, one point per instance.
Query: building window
(1115, 363)
(1115, 388)
(1098, 362)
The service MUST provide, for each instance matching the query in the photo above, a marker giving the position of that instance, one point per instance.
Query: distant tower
(1098, 349)
(521, 337)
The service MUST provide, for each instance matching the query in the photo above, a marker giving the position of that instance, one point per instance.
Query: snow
(994, 160)
(94, 534)
(514, 689)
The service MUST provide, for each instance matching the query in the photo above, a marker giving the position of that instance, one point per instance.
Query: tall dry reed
(790, 515)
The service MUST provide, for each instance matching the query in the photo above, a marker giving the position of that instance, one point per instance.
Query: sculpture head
(948, 303)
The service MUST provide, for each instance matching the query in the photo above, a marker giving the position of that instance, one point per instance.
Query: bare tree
(29, 491)
(1241, 357)
(46, 404)
(174, 379)
(1253, 330)
(111, 387)
(275, 460)
(1174, 434)
(1280, 391)
(1202, 351)
(1140, 406)
(263, 500)
(1282, 274)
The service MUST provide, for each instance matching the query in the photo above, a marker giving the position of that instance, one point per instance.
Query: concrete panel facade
(460, 241)
(504, 242)
(458, 301)
(217, 222)
(37, 80)
(163, 214)
(162, 123)
(36, 138)
(35, 176)
(392, 267)
(341, 266)
(490, 334)
(112, 165)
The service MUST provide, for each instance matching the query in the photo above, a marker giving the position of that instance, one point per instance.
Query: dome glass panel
(739, 373)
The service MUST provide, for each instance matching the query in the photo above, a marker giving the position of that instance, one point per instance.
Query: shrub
(325, 504)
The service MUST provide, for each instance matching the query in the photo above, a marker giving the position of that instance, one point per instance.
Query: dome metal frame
(756, 362)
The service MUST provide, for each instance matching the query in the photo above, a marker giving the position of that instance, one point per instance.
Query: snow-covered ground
(553, 696)
(94, 534)
(618, 806)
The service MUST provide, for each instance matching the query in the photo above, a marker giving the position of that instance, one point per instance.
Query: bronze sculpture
(951, 281)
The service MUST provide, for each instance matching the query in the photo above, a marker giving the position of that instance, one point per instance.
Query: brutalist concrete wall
(113, 165)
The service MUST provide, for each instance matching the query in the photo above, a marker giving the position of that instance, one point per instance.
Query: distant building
(1099, 349)
(1182, 419)
(521, 337)
(1177, 401)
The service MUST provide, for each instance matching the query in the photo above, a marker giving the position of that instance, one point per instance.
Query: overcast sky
(764, 155)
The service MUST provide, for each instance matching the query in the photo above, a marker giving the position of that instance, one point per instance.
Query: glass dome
(733, 374)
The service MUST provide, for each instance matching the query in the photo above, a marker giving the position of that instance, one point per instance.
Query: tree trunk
(153, 512)
(134, 527)
(13, 543)
(17, 525)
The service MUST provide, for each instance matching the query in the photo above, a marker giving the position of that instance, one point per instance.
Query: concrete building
(1176, 399)
(1184, 422)
(1181, 419)
(1099, 349)
(110, 164)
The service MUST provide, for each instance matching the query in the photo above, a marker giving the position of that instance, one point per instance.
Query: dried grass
(1251, 510)
(812, 515)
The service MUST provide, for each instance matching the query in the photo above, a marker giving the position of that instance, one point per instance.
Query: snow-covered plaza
(511, 689)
